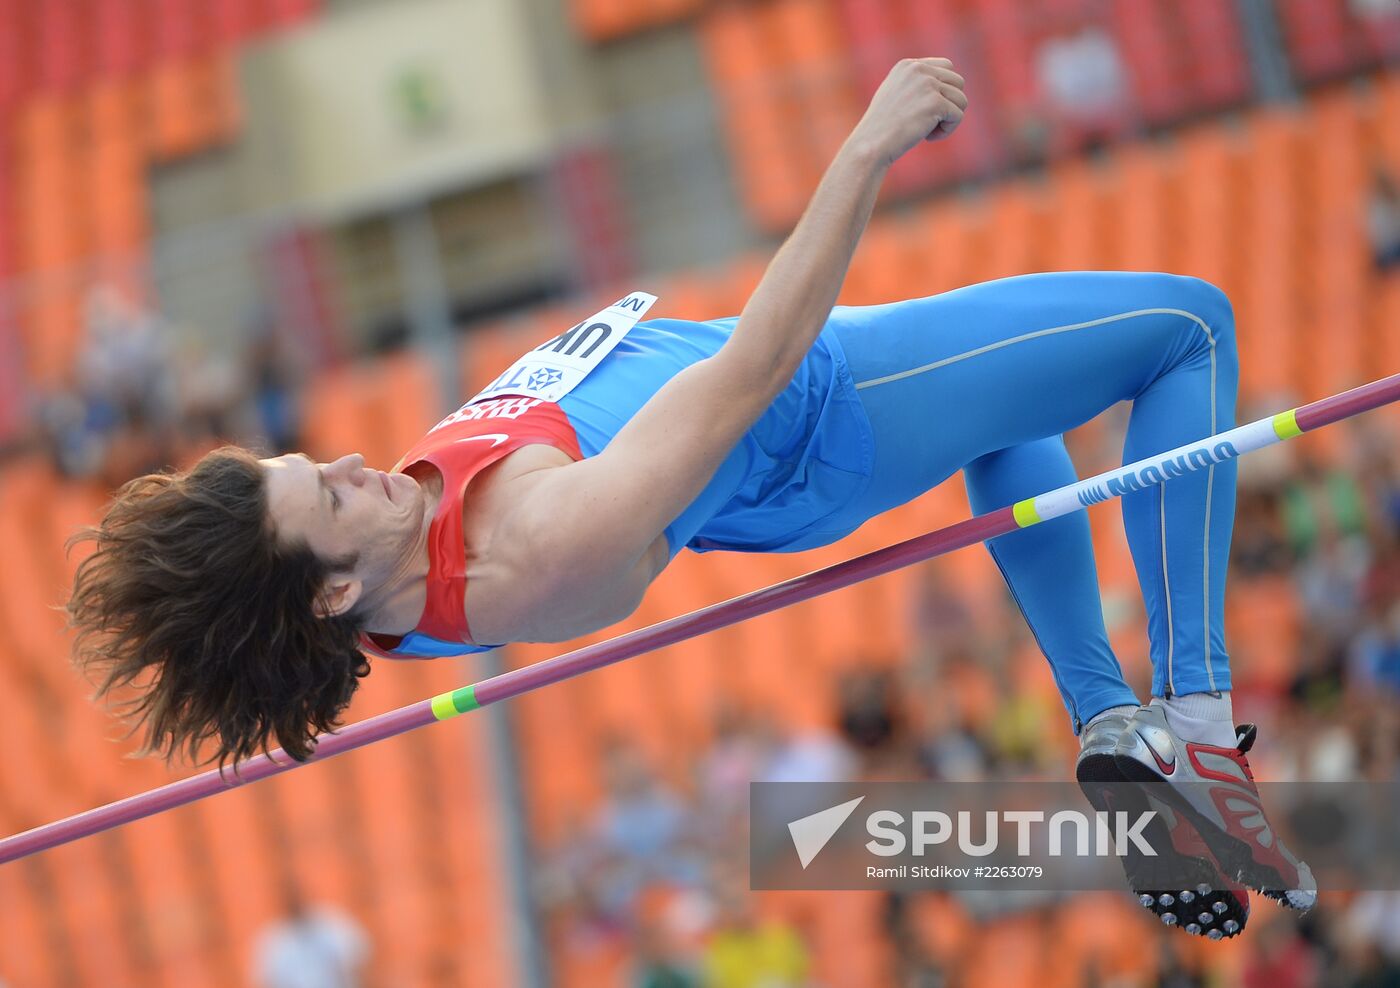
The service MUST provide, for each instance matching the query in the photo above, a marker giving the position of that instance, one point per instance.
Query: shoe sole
(1200, 909)
(1236, 856)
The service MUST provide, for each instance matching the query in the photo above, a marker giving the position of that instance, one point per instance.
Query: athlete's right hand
(922, 99)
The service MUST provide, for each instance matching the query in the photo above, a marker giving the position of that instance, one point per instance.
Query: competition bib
(553, 369)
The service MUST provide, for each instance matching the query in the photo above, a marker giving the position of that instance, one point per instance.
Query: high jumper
(242, 596)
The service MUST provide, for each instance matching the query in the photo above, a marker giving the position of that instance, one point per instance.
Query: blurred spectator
(735, 758)
(869, 717)
(660, 962)
(125, 362)
(274, 396)
(948, 747)
(312, 947)
(1375, 656)
(1281, 958)
(639, 816)
(135, 404)
(1177, 971)
(1383, 220)
(1260, 544)
(808, 756)
(748, 952)
(1321, 499)
(642, 828)
(1084, 85)
(1374, 919)
(1329, 583)
(943, 621)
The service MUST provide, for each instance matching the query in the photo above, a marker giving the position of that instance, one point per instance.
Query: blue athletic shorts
(806, 457)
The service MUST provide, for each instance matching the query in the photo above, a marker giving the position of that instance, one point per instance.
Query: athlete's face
(342, 510)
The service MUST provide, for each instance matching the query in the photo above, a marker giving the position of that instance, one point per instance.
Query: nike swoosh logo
(1167, 768)
(496, 438)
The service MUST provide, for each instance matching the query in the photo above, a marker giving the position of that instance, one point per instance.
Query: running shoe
(1213, 787)
(1183, 885)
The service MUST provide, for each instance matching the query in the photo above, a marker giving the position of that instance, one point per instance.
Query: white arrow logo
(496, 436)
(811, 833)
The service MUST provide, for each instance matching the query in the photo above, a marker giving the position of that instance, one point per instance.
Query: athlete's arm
(585, 528)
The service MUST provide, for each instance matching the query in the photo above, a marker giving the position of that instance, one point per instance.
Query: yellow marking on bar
(443, 707)
(1286, 424)
(1025, 514)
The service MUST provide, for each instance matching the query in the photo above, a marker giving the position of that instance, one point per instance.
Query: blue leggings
(987, 379)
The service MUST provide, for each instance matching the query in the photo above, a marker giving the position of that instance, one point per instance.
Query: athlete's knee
(1211, 311)
(1209, 303)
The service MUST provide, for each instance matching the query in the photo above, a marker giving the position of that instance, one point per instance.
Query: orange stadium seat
(1075, 219)
(1385, 350)
(408, 401)
(1209, 192)
(814, 61)
(92, 901)
(177, 125)
(1264, 615)
(1268, 306)
(698, 673)
(686, 296)
(1336, 194)
(1138, 207)
(330, 427)
(241, 879)
(953, 240)
(166, 900)
(603, 20)
(879, 266)
(37, 781)
(751, 93)
(1388, 93)
(30, 953)
(489, 350)
(1013, 234)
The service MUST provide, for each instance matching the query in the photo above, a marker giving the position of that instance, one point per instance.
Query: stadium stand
(1329, 39)
(804, 54)
(87, 110)
(406, 833)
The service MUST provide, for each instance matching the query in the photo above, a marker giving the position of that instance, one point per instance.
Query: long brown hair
(189, 598)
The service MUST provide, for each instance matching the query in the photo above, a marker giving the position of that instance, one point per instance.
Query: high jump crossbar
(1146, 472)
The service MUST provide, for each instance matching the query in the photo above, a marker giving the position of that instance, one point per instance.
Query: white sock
(1207, 718)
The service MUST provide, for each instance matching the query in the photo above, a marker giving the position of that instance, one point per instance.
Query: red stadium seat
(1327, 39)
(1215, 50)
(120, 38)
(64, 60)
(18, 59)
(1157, 78)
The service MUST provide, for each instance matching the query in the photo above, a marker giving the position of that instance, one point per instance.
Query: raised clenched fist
(922, 99)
